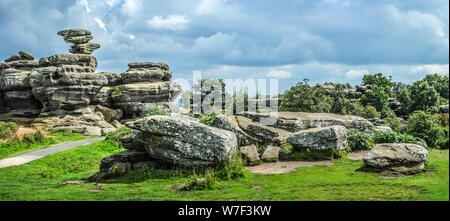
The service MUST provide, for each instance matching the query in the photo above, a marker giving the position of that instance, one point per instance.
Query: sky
(322, 40)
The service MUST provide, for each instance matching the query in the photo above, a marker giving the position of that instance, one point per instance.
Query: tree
(381, 81)
(423, 96)
(303, 97)
(376, 97)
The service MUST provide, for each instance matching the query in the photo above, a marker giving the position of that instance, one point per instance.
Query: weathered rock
(296, 121)
(85, 48)
(92, 131)
(383, 129)
(118, 169)
(76, 36)
(324, 138)
(114, 79)
(184, 142)
(443, 109)
(421, 142)
(26, 55)
(263, 133)
(229, 122)
(250, 153)
(109, 114)
(137, 97)
(271, 153)
(134, 140)
(397, 158)
(22, 103)
(146, 72)
(127, 156)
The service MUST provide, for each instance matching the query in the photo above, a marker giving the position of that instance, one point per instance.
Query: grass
(44, 179)
(11, 149)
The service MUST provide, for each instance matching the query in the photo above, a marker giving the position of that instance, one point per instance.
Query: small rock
(72, 182)
(250, 153)
(271, 153)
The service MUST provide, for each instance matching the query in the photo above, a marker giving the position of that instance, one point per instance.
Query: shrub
(233, 170)
(392, 137)
(387, 112)
(207, 119)
(421, 124)
(370, 112)
(7, 129)
(359, 141)
(155, 110)
(113, 137)
(396, 124)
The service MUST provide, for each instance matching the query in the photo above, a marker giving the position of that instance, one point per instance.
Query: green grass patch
(44, 179)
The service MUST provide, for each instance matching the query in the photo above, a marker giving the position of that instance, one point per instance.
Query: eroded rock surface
(323, 138)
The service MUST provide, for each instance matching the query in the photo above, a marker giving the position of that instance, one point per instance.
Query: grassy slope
(18, 149)
(42, 180)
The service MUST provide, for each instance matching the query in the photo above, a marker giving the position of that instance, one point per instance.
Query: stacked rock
(67, 86)
(15, 88)
(80, 38)
(146, 84)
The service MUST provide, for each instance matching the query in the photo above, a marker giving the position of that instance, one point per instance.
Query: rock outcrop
(80, 38)
(183, 142)
(324, 138)
(296, 121)
(146, 84)
(397, 158)
(15, 87)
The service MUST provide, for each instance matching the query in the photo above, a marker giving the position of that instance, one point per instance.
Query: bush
(396, 124)
(421, 124)
(359, 141)
(370, 112)
(155, 110)
(392, 137)
(207, 119)
(113, 137)
(387, 112)
(7, 129)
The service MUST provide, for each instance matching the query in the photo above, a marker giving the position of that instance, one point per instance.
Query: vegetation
(45, 179)
(7, 129)
(155, 110)
(359, 141)
(365, 141)
(431, 129)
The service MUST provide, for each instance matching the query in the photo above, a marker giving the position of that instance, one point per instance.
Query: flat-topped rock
(185, 142)
(296, 121)
(149, 65)
(229, 122)
(397, 158)
(76, 36)
(89, 63)
(85, 48)
(263, 133)
(324, 138)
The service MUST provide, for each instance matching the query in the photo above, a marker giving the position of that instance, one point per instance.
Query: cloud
(208, 6)
(352, 74)
(131, 7)
(279, 74)
(172, 22)
(431, 69)
(100, 23)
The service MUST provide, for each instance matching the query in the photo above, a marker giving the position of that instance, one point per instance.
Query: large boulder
(296, 121)
(183, 142)
(263, 133)
(229, 122)
(400, 158)
(323, 138)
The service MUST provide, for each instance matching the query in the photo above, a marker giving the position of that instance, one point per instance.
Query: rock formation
(183, 142)
(397, 158)
(323, 138)
(15, 87)
(146, 84)
(80, 38)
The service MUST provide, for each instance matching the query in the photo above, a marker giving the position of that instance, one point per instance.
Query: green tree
(303, 97)
(376, 97)
(423, 96)
(421, 124)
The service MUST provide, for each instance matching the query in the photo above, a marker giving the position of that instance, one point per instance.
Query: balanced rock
(80, 38)
(183, 142)
(324, 138)
(397, 158)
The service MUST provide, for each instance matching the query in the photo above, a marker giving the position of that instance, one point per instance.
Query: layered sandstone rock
(146, 84)
(15, 87)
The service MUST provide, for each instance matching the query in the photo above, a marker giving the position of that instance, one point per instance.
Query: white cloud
(207, 7)
(172, 22)
(100, 23)
(112, 3)
(352, 74)
(431, 69)
(85, 4)
(279, 74)
(131, 7)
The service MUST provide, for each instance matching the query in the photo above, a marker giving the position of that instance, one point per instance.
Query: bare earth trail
(288, 166)
(34, 155)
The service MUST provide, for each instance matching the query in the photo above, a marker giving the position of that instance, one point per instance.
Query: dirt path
(34, 155)
(285, 166)
(357, 155)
